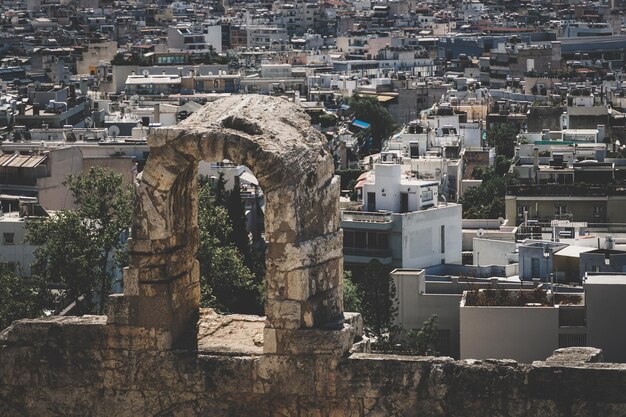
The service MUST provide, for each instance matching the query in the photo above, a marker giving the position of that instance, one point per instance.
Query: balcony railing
(369, 253)
(366, 216)
(585, 190)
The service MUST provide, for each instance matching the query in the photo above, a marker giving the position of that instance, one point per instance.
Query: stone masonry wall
(84, 367)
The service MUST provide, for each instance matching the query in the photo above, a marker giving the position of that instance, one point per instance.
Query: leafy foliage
(75, 245)
(487, 200)
(20, 298)
(352, 294)
(105, 201)
(66, 253)
(503, 137)
(369, 109)
(378, 304)
(227, 283)
(424, 341)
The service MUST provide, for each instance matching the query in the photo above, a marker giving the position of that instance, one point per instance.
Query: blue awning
(361, 124)
(344, 107)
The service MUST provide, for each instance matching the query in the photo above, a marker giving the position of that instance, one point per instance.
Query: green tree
(487, 200)
(424, 341)
(503, 137)
(328, 120)
(369, 110)
(378, 304)
(227, 284)
(21, 298)
(66, 253)
(105, 201)
(237, 214)
(352, 294)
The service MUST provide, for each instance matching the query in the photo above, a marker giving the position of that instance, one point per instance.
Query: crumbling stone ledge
(86, 367)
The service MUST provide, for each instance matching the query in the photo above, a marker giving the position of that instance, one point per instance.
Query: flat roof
(573, 251)
(153, 79)
(605, 280)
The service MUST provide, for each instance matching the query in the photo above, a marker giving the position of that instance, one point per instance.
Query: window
(560, 210)
(443, 238)
(534, 267)
(383, 241)
(520, 211)
(360, 240)
(371, 201)
(404, 202)
(348, 239)
(8, 238)
(365, 240)
(598, 211)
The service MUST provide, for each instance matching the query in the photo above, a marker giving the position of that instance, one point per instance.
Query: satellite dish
(88, 122)
(114, 131)
(481, 233)
(146, 73)
(501, 220)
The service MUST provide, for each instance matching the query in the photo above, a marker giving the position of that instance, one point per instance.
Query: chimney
(609, 242)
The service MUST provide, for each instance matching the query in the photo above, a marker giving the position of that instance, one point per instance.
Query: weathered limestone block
(336, 339)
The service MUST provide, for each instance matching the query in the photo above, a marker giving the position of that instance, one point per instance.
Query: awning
(361, 124)
(24, 161)
(384, 99)
(362, 179)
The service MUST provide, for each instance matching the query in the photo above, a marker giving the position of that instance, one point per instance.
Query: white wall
(493, 252)
(20, 252)
(213, 37)
(524, 334)
(421, 236)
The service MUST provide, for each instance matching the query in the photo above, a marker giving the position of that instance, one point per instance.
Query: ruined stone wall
(295, 170)
(83, 367)
(150, 357)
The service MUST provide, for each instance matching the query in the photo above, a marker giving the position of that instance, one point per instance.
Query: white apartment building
(402, 222)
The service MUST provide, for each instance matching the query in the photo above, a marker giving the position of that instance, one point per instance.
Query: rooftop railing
(366, 216)
(583, 190)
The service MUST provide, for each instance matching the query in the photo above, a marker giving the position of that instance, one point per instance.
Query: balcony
(366, 216)
(566, 190)
(362, 255)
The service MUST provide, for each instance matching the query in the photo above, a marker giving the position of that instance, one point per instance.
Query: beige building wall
(524, 334)
(581, 208)
(121, 165)
(606, 318)
(53, 195)
(96, 52)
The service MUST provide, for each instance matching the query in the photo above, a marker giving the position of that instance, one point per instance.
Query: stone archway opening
(304, 243)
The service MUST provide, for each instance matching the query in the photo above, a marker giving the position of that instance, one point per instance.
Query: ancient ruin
(157, 354)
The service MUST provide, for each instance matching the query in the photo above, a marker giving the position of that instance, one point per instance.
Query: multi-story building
(296, 16)
(402, 223)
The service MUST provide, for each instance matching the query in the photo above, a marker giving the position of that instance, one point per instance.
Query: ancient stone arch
(295, 170)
